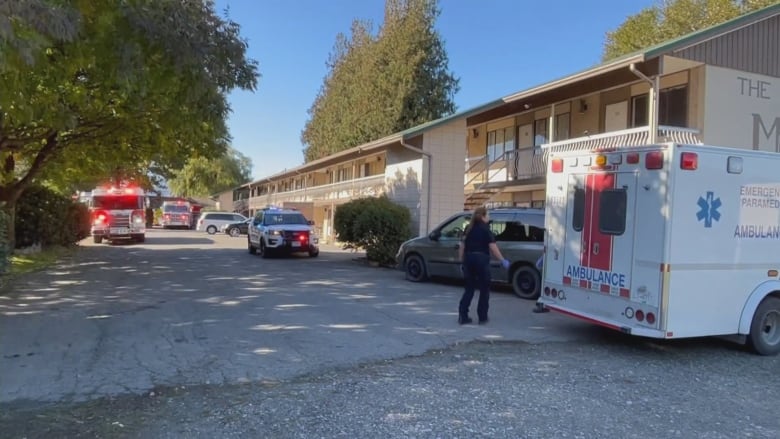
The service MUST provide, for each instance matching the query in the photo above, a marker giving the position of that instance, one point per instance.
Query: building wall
(742, 110)
(225, 201)
(405, 180)
(445, 143)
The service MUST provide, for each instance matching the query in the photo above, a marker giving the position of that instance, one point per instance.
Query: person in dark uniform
(476, 247)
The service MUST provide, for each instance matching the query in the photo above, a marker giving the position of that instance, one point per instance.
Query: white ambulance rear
(666, 241)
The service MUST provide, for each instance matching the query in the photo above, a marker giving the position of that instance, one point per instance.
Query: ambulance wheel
(764, 336)
(252, 249)
(314, 253)
(97, 239)
(414, 267)
(526, 282)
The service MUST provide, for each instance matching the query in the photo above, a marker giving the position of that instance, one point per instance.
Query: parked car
(519, 234)
(237, 229)
(211, 222)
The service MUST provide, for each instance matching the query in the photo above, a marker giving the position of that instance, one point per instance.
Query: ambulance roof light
(557, 165)
(654, 160)
(689, 161)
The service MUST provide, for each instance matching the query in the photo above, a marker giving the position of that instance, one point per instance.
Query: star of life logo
(708, 209)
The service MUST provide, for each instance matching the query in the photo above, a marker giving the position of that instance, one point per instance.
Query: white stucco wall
(404, 180)
(742, 110)
(447, 144)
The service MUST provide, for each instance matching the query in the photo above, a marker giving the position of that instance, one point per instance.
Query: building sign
(741, 110)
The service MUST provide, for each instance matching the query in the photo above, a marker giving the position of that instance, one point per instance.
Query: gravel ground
(613, 387)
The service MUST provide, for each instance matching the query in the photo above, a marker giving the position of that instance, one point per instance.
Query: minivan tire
(526, 282)
(414, 267)
(211, 230)
(235, 232)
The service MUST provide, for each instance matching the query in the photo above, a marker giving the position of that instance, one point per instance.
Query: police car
(275, 230)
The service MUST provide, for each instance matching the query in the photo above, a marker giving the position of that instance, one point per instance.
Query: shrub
(375, 224)
(47, 218)
(5, 250)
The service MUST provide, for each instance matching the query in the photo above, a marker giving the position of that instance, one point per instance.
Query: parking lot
(196, 311)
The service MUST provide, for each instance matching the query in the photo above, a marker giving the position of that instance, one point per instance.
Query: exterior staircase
(480, 197)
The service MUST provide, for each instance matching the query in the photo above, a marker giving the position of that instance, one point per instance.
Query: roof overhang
(579, 84)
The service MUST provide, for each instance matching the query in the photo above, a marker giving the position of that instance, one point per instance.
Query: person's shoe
(464, 320)
(483, 321)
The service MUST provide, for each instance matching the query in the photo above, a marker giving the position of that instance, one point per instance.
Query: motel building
(718, 86)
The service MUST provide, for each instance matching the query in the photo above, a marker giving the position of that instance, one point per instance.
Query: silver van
(519, 234)
(211, 222)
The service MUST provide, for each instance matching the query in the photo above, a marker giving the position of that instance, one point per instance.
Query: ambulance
(118, 213)
(666, 241)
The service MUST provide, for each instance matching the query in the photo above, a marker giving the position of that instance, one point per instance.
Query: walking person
(474, 253)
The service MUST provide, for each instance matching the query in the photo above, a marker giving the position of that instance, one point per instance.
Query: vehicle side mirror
(310, 222)
(435, 235)
(255, 222)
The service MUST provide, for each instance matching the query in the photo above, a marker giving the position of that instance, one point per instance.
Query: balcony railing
(527, 163)
(359, 187)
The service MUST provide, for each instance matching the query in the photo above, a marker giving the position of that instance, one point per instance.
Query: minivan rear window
(612, 211)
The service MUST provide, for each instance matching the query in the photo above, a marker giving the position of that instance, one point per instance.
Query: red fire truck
(117, 214)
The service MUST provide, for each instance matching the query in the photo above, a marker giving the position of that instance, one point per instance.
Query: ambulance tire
(97, 239)
(526, 282)
(764, 336)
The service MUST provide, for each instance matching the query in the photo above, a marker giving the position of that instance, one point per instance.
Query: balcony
(343, 190)
(529, 163)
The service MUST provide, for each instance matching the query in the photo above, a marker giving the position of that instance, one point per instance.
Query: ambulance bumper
(607, 323)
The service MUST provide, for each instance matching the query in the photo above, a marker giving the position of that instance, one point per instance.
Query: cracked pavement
(186, 308)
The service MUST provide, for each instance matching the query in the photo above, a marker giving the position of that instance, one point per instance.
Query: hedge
(5, 250)
(47, 218)
(376, 225)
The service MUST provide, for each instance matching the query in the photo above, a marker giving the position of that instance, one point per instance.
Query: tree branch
(48, 149)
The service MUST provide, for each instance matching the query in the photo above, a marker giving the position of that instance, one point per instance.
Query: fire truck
(118, 214)
(666, 241)
(176, 214)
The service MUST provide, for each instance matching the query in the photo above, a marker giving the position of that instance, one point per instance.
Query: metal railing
(355, 188)
(526, 163)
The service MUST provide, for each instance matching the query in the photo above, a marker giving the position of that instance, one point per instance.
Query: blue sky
(495, 47)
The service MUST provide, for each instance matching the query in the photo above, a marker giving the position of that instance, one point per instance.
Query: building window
(540, 132)
(365, 170)
(499, 142)
(562, 122)
(672, 108)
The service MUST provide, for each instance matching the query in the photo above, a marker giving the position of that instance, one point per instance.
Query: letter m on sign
(759, 129)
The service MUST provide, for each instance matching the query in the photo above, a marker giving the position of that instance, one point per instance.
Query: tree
(671, 19)
(113, 86)
(203, 177)
(378, 85)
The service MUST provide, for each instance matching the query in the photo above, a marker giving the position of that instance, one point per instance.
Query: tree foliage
(95, 87)
(201, 176)
(671, 19)
(378, 85)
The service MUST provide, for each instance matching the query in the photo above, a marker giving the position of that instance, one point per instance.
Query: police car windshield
(125, 202)
(271, 219)
(175, 208)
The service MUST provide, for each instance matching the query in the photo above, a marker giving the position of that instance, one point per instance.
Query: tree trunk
(8, 204)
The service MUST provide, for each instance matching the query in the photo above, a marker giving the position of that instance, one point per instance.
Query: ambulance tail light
(632, 158)
(689, 161)
(557, 165)
(639, 315)
(654, 160)
(650, 318)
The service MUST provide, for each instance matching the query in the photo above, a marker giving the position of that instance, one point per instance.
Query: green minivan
(519, 233)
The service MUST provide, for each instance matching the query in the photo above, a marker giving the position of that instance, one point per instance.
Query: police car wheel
(414, 266)
(250, 247)
(764, 335)
(526, 283)
(263, 250)
(234, 232)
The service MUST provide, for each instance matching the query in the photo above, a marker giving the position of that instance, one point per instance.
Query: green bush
(375, 224)
(5, 250)
(47, 218)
